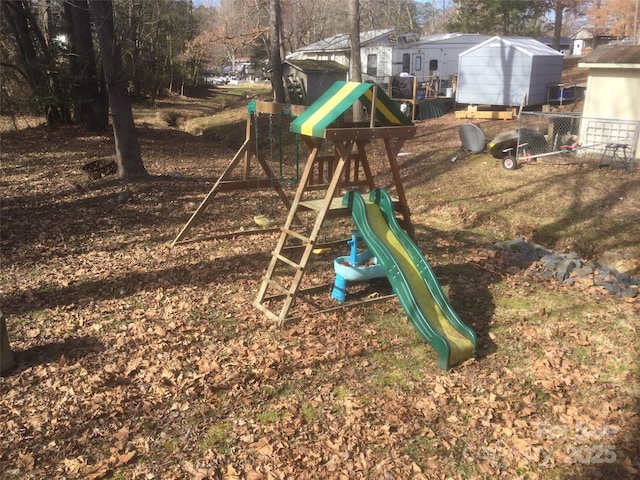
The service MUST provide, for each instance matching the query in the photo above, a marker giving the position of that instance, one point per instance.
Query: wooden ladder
(330, 174)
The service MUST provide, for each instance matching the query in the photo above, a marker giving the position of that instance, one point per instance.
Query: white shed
(612, 93)
(507, 71)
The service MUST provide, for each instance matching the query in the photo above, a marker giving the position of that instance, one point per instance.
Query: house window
(406, 62)
(372, 64)
(417, 63)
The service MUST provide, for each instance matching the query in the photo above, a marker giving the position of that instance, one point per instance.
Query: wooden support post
(374, 96)
(247, 151)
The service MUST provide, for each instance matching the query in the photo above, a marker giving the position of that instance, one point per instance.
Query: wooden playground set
(337, 164)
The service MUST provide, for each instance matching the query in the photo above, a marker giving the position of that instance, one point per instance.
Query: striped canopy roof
(340, 97)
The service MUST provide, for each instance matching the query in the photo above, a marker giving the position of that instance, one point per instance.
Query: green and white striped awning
(339, 98)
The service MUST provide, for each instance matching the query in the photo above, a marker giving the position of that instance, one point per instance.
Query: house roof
(341, 41)
(451, 38)
(548, 41)
(527, 46)
(613, 55)
(338, 99)
(583, 33)
(586, 34)
(312, 65)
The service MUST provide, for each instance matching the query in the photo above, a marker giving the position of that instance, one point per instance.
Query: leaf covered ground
(138, 360)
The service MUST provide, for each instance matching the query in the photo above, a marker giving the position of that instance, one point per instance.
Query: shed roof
(613, 55)
(525, 45)
(338, 99)
(312, 65)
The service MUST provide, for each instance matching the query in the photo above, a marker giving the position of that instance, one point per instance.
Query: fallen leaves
(141, 361)
(79, 466)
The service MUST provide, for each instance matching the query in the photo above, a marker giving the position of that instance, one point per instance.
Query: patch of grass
(233, 113)
(38, 314)
(515, 356)
(47, 289)
(541, 395)
(216, 437)
(616, 366)
(116, 476)
(398, 370)
(309, 412)
(395, 380)
(341, 392)
(419, 447)
(269, 416)
(579, 354)
(217, 126)
(461, 464)
(170, 446)
(228, 325)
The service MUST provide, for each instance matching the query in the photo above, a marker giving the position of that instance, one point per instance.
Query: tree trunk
(89, 105)
(7, 363)
(46, 20)
(130, 164)
(355, 66)
(37, 60)
(134, 22)
(557, 29)
(276, 60)
(19, 26)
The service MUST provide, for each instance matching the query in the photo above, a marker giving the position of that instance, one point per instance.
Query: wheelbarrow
(521, 145)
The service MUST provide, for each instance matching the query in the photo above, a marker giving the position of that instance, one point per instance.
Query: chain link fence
(572, 138)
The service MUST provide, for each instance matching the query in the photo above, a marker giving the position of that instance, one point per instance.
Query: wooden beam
(222, 236)
(275, 108)
(405, 131)
(485, 114)
(250, 184)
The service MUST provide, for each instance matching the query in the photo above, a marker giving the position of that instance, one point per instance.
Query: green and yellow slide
(411, 277)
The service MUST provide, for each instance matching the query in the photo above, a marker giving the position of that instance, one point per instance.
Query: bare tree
(307, 21)
(35, 60)
(276, 60)
(128, 156)
(355, 65)
(229, 28)
(559, 9)
(91, 106)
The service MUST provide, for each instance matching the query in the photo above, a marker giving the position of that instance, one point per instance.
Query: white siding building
(613, 85)
(507, 72)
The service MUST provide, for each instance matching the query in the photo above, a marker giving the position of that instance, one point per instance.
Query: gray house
(507, 72)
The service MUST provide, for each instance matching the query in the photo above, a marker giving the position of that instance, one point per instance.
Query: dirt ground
(141, 360)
